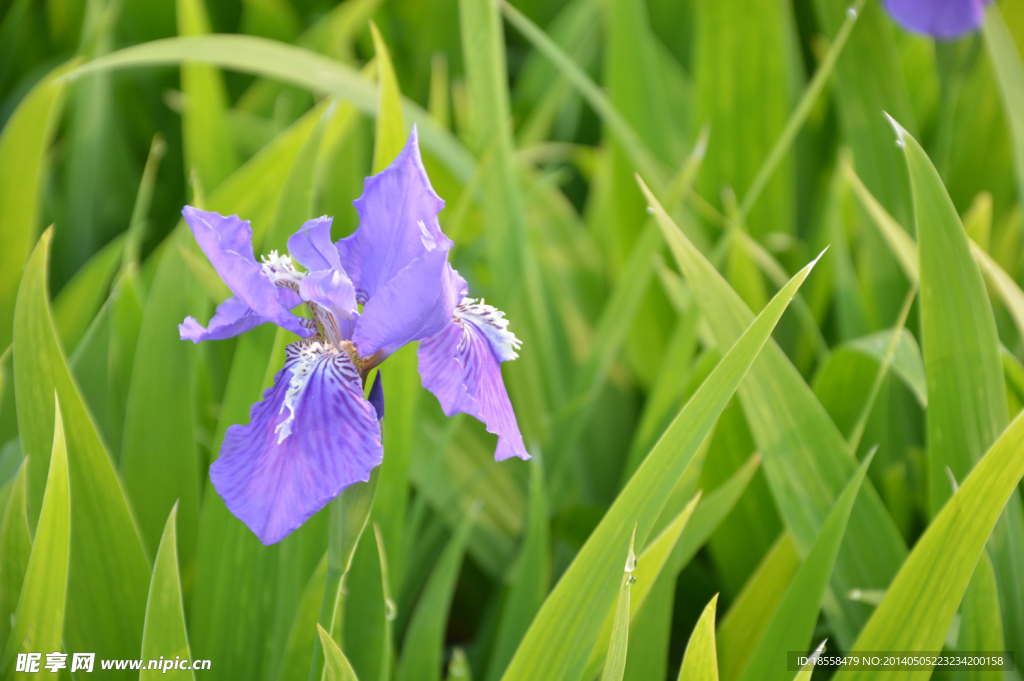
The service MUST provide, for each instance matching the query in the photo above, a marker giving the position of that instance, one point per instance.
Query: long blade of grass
(792, 623)
(108, 576)
(164, 634)
(15, 547)
(967, 405)
(291, 64)
(615, 660)
(39, 618)
(1009, 70)
(800, 444)
(700, 662)
(920, 603)
(23, 146)
(797, 119)
(567, 625)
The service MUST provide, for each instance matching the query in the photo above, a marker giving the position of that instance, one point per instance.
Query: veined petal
(311, 436)
(461, 366)
(333, 291)
(397, 223)
(415, 304)
(232, 317)
(227, 242)
(945, 19)
(312, 247)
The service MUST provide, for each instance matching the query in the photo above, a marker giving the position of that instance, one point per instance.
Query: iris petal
(311, 436)
(227, 243)
(415, 304)
(232, 317)
(312, 247)
(460, 366)
(398, 207)
(945, 19)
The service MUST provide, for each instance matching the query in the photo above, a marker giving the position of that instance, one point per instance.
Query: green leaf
(89, 366)
(1009, 71)
(642, 158)
(424, 638)
(653, 562)
(77, 303)
(158, 457)
(514, 272)
(558, 641)
(338, 668)
(24, 144)
(700, 662)
(391, 132)
(805, 672)
(15, 547)
(981, 627)
(532, 576)
(39, 618)
(920, 603)
(108, 576)
(806, 459)
(615, 660)
(291, 64)
(164, 634)
(906, 363)
(869, 79)
(125, 324)
(792, 623)
(208, 145)
(967, 407)
(652, 627)
(745, 622)
(298, 648)
(746, 106)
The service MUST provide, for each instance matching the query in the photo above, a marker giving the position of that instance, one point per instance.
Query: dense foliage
(779, 446)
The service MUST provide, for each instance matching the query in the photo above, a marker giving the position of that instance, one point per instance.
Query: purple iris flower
(388, 284)
(946, 19)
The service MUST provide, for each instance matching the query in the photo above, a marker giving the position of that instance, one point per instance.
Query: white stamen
(491, 321)
(279, 268)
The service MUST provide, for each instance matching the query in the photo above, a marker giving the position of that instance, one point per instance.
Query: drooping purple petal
(461, 366)
(232, 317)
(415, 304)
(313, 435)
(946, 19)
(227, 242)
(398, 207)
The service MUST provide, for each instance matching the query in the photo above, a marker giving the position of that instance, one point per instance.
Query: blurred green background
(758, 124)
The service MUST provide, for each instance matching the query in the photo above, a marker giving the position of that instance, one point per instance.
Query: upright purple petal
(313, 435)
(398, 207)
(227, 242)
(944, 19)
(415, 304)
(312, 247)
(461, 365)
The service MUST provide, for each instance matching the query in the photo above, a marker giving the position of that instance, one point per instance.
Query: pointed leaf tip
(901, 132)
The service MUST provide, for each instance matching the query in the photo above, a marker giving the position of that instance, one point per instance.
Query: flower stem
(349, 514)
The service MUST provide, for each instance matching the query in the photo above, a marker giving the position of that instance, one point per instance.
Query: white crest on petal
(310, 352)
(492, 323)
(280, 269)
